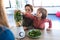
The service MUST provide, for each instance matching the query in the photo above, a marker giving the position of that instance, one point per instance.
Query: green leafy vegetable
(17, 16)
(34, 33)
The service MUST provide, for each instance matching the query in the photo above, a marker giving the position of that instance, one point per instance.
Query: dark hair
(31, 7)
(44, 12)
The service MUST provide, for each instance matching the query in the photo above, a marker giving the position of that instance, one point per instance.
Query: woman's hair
(31, 7)
(3, 19)
(44, 12)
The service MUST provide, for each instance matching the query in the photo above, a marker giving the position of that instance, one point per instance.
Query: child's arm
(50, 24)
(29, 16)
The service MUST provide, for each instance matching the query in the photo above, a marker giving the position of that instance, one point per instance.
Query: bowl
(34, 33)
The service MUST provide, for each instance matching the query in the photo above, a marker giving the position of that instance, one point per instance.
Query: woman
(5, 33)
(27, 23)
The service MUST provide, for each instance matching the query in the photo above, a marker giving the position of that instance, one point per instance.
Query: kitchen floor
(54, 34)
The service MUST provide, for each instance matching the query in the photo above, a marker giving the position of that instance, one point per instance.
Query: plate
(34, 33)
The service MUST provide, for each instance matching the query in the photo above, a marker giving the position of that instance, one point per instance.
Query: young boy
(40, 19)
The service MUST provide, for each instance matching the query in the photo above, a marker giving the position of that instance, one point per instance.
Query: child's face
(28, 9)
(39, 14)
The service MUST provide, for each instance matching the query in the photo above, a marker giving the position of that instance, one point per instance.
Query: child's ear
(43, 16)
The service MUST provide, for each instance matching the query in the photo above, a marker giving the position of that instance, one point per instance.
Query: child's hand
(23, 13)
(48, 29)
(25, 28)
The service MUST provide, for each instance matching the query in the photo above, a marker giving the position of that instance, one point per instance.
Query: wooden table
(46, 35)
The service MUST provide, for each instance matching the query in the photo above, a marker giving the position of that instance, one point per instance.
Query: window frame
(42, 6)
(9, 5)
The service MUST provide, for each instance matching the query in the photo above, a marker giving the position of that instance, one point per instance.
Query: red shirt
(39, 23)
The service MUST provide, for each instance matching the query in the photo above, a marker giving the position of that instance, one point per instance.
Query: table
(46, 35)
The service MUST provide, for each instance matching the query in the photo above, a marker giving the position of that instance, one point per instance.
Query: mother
(5, 33)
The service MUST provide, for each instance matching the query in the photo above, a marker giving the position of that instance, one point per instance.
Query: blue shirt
(6, 34)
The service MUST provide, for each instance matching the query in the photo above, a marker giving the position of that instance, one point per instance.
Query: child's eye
(27, 9)
(39, 13)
